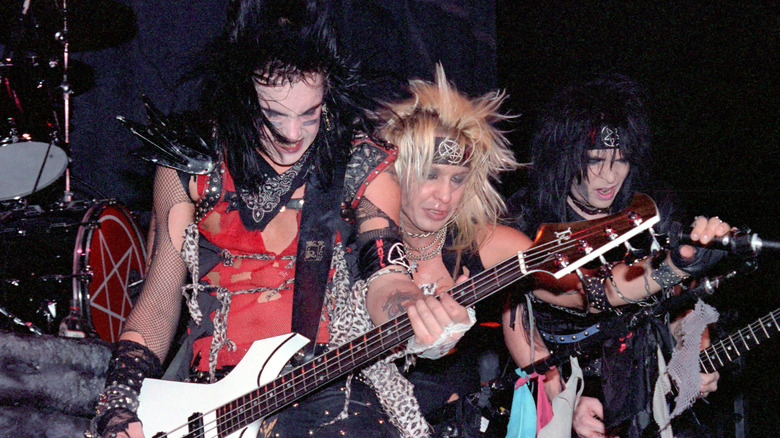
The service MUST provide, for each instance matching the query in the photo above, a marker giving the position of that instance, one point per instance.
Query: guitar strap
(319, 220)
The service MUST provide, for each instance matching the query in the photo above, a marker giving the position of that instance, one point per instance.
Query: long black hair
(564, 135)
(277, 42)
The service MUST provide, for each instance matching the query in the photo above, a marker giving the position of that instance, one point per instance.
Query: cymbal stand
(62, 37)
(75, 324)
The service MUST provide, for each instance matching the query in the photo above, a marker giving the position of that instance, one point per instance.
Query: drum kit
(68, 266)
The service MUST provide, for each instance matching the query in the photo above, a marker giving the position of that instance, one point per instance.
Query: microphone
(705, 286)
(741, 242)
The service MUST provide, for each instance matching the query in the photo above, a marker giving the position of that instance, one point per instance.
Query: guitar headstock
(571, 245)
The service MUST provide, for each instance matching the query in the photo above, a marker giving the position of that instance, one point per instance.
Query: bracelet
(117, 395)
(665, 276)
(445, 342)
(130, 363)
(644, 277)
(377, 254)
(389, 270)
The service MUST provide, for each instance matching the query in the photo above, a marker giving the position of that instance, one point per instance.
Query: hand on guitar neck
(226, 407)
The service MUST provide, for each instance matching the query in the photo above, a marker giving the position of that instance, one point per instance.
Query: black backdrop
(710, 71)
(402, 38)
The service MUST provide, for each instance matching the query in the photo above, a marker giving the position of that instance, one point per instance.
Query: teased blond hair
(439, 110)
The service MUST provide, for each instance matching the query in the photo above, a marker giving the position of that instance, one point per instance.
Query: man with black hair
(296, 204)
(590, 155)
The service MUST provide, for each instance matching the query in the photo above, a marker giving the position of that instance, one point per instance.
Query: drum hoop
(52, 171)
(81, 254)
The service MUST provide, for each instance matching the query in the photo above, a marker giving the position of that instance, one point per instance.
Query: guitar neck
(737, 344)
(558, 250)
(341, 360)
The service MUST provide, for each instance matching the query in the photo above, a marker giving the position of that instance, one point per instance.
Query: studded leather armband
(597, 293)
(130, 363)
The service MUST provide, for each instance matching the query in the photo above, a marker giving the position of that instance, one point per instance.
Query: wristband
(130, 363)
(702, 261)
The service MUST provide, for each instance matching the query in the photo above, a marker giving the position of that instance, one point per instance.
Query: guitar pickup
(195, 426)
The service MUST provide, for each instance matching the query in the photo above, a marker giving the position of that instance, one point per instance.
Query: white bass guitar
(226, 410)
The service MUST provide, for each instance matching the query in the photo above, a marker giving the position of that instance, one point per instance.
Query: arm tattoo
(394, 306)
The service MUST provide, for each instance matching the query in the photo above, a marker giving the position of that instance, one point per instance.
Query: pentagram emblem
(114, 254)
(448, 152)
(610, 137)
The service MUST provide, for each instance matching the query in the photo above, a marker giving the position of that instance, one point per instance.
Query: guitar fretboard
(343, 359)
(565, 248)
(734, 346)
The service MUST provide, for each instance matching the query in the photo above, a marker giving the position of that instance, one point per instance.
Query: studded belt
(570, 338)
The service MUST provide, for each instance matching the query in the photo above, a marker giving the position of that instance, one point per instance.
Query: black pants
(310, 416)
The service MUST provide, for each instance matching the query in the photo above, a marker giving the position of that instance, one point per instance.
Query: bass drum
(88, 251)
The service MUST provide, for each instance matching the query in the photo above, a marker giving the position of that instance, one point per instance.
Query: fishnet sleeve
(155, 315)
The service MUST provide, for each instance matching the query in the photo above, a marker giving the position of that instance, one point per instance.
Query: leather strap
(319, 220)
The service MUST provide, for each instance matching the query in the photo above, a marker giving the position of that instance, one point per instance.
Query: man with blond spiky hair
(449, 154)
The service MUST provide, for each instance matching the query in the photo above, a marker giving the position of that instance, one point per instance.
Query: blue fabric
(522, 418)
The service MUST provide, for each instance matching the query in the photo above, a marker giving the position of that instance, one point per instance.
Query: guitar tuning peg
(561, 261)
(655, 244)
(632, 254)
(635, 219)
(631, 258)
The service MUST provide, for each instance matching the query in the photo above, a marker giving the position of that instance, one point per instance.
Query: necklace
(439, 235)
(437, 244)
(587, 208)
(418, 235)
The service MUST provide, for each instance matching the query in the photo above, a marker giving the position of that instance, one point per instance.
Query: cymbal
(81, 76)
(92, 25)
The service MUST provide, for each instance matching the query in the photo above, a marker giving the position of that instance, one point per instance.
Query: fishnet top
(156, 313)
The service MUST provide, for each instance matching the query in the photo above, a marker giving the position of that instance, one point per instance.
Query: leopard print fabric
(189, 253)
(349, 319)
